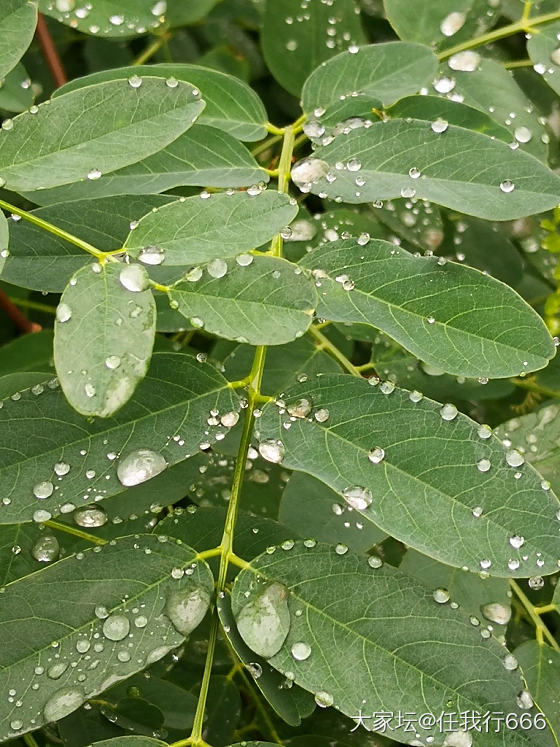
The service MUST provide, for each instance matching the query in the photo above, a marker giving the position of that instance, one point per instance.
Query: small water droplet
(497, 612)
(441, 596)
(467, 61)
(217, 268)
(376, 455)
(90, 516)
(135, 81)
(439, 125)
(324, 699)
(357, 497)
(94, 174)
(517, 541)
(514, 458)
(507, 186)
(448, 412)
(63, 313)
(484, 465)
(452, 23)
(46, 548)
(62, 704)
(152, 255)
(112, 362)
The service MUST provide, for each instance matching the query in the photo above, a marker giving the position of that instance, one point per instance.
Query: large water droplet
(514, 458)
(89, 516)
(134, 278)
(63, 703)
(357, 497)
(140, 465)
(324, 699)
(507, 186)
(43, 490)
(152, 255)
(497, 612)
(63, 313)
(448, 412)
(116, 627)
(441, 596)
(272, 450)
(217, 268)
(308, 171)
(452, 23)
(187, 607)
(376, 455)
(467, 61)
(264, 622)
(46, 548)
(301, 651)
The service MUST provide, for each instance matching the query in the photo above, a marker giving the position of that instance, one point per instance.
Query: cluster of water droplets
(83, 15)
(337, 37)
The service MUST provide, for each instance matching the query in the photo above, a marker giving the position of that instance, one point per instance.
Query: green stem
(518, 63)
(30, 740)
(532, 387)
(151, 50)
(329, 347)
(541, 628)
(195, 738)
(75, 532)
(284, 171)
(25, 303)
(525, 24)
(53, 229)
(266, 144)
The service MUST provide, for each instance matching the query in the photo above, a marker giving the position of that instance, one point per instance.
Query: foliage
(280, 455)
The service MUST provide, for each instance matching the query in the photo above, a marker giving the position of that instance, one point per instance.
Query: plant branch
(50, 53)
(525, 24)
(151, 49)
(338, 355)
(532, 387)
(19, 319)
(67, 529)
(46, 226)
(541, 628)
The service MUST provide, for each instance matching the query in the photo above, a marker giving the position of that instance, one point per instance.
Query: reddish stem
(21, 321)
(50, 53)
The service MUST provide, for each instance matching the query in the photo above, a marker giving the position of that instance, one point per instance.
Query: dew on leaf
(467, 61)
(63, 703)
(90, 517)
(272, 450)
(217, 268)
(187, 607)
(514, 458)
(439, 125)
(357, 497)
(376, 455)
(441, 596)
(452, 23)
(497, 612)
(43, 489)
(45, 548)
(140, 465)
(63, 313)
(116, 627)
(448, 412)
(134, 278)
(301, 651)
(507, 186)
(152, 255)
(264, 622)
(324, 699)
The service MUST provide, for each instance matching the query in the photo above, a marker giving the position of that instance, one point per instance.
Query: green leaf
(537, 436)
(19, 546)
(230, 104)
(78, 603)
(223, 709)
(493, 89)
(468, 324)
(193, 230)
(290, 703)
(432, 478)
(45, 262)
(103, 336)
(110, 18)
(201, 156)
(382, 73)
(309, 503)
(264, 303)
(174, 400)
(113, 124)
(16, 381)
(131, 741)
(541, 668)
(543, 50)
(16, 93)
(182, 14)
(431, 108)
(457, 168)
(442, 24)
(295, 43)
(367, 640)
(28, 353)
(17, 26)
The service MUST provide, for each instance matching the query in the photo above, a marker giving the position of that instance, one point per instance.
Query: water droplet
(514, 458)
(113, 362)
(444, 84)
(89, 516)
(536, 582)
(555, 56)
(353, 165)
(134, 278)
(90, 390)
(159, 8)
(301, 408)
(510, 662)
(376, 455)
(264, 622)
(217, 268)
(171, 82)
(229, 419)
(374, 561)
(357, 497)
(452, 23)
(301, 651)
(415, 396)
(62, 704)
(441, 596)
(116, 627)
(309, 170)
(414, 173)
(467, 61)
(387, 387)
(408, 192)
(272, 450)
(324, 699)
(43, 490)
(513, 564)
(94, 174)
(507, 186)
(135, 81)
(116, 20)
(312, 128)
(244, 260)
(524, 699)
(140, 465)
(523, 134)
(152, 255)
(484, 431)
(321, 415)
(61, 468)
(517, 541)
(46, 548)
(485, 564)
(448, 412)
(439, 125)
(497, 612)
(63, 313)
(484, 465)
(187, 607)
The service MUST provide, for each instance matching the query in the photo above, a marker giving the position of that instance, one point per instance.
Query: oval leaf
(17, 26)
(70, 632)
(295, 43)
(424, 474)
(368, 640)
(109, 18)
(459, 325)
(543, 50)
(175, 399)
(382, 73)
(231, 105)
(457, 168)
(201, 156)
(103, 336)
(264, 303)
(195, 230)
(113, 124)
